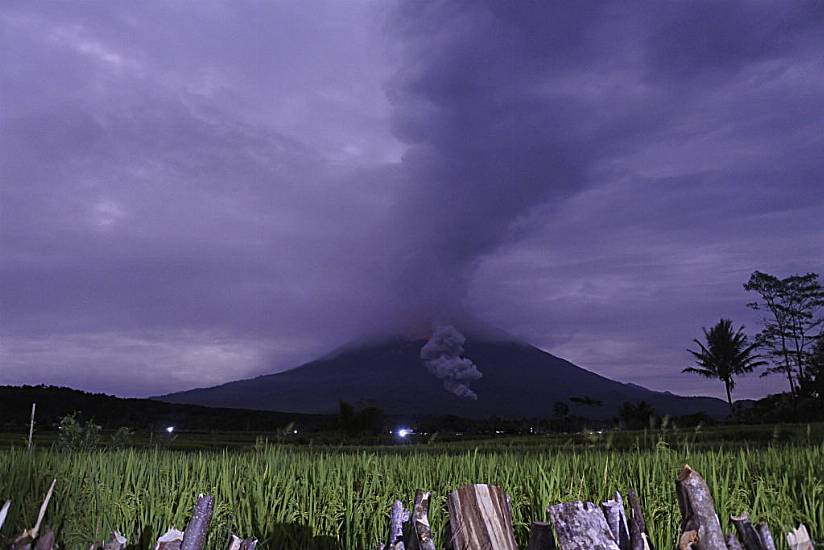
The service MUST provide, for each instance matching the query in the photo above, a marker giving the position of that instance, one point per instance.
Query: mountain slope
(518, 381)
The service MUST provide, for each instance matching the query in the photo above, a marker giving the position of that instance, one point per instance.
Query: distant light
(170, 429)
(499, 432)
(404, 432)
(294, 431)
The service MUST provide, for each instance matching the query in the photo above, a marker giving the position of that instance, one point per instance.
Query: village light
(404, 432)
(170, 429)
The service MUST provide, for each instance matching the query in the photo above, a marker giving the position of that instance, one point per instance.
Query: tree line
(789, 344)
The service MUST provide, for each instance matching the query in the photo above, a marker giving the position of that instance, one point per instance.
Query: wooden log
(581, 526)
(639, 538)
(799, 539)
(479, 519)
(746, 532)
(765, 535)
(732, 542)
(698, 510)
(397, 518)
(237, 543)
(541, 537)
(170, 540)
(45, 541)
(615, 515)
(4, 512)
(419, 535)
(116, 541)
(194, 537)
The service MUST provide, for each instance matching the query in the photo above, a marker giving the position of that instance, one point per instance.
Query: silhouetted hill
(519, 381)
(111, 412)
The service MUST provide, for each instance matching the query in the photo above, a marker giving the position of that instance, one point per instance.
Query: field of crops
(293, 498)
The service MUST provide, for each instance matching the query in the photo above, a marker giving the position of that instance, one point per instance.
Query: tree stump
(397, 518)
(638, 535)
(194, 538)
(698, 511)
(799, 539)
(479, 519)
(581, 526)
(420, 532)
(615, 515)
(746, 532)
(170, 540)
(732, 542)
(765, 536)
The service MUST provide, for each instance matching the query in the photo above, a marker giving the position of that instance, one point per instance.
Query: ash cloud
(289, 177)
(443, 357)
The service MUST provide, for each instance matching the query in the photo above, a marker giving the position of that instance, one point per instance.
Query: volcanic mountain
(518, 381)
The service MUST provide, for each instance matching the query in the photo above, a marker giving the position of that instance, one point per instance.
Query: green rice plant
(323, 498)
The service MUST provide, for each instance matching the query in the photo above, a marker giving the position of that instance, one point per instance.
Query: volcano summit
(508, 378)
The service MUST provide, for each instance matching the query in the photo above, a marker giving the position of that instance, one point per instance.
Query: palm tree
(727, 353)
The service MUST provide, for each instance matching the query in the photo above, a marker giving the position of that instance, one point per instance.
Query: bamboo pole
(31, 426)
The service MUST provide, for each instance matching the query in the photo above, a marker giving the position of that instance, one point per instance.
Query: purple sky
(195, 193)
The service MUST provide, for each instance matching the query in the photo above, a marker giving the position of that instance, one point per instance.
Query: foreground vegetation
(293, 497)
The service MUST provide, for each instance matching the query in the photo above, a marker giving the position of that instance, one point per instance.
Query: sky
(192, 193)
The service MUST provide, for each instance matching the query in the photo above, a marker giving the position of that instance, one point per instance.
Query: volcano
(519, 381)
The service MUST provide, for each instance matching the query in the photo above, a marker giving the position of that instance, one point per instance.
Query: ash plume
(443, 357)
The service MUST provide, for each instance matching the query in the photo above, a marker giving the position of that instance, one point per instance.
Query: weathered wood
(698, 510)
(42, 513)
(397, 518)
(31, 426)
(732, 542)
(45, 541)
(615, 515)
(479, 519)
(765, 535)
(4, 512)
(237, 543)
(688, 540)
(746, 532)
(28, 536)
(116, 541)
(194, 537)
(540, 537)
(419, 536)
(799, 539)
(170, 540)
(638, 535)
(581, 526)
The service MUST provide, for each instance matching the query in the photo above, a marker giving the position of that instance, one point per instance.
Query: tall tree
(727, 354)
(815, 369)
(792, 320)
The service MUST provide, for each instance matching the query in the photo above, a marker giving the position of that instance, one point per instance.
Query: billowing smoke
(443, 357)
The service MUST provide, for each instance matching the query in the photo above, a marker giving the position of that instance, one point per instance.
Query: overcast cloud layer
(191, 194)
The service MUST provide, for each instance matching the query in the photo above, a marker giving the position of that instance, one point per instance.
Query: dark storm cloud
(190, 196)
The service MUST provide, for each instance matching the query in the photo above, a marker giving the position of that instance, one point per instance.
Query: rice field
(294, 498)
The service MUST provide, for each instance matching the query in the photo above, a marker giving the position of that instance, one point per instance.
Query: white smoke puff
(442, 355)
